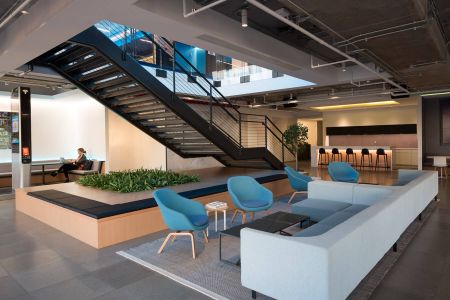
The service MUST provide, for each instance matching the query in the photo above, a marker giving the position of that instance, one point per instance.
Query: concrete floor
(39, 262)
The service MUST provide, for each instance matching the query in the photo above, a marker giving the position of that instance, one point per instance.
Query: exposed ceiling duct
(409, 39)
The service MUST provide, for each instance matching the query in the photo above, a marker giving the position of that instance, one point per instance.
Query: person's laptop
(63, 160)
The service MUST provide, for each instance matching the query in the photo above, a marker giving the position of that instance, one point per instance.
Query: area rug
(220, 280)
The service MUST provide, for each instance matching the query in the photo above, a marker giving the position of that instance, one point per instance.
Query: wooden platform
(112, 230)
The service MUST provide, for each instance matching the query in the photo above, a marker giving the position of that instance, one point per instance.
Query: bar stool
(322, 153)
(365, 152)
(335, 152)
(350, 154)
(380, 152)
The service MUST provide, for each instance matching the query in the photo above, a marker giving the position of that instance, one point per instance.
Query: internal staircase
(185, 112)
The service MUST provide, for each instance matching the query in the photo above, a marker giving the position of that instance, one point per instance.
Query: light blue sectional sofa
(356, 225)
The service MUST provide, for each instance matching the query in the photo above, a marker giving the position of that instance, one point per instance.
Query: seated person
(74, 164)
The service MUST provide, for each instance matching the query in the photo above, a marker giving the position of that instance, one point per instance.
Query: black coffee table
(273, 223)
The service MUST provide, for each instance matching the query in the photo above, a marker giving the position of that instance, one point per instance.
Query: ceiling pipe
(14, 13)
(323, 43)
(196, 11)
(382, 32)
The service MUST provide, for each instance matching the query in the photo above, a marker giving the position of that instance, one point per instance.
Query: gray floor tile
(20, 247)
(154, 286)
(53, 272)
(27, 261)
(3, 272)
(10, 288)
(121, 274)
(79, 288)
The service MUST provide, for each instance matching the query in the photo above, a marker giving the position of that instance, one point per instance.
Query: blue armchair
(298, 181)
(182, 215)
(341, 171)
(248, 196)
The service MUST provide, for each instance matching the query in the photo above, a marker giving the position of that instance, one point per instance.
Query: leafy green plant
(136, 180)
(296, 137)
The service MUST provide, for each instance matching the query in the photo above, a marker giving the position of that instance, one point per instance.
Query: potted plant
(296, 137)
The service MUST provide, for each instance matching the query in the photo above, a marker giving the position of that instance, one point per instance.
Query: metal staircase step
(202, 153)
(86, 63)
(127, 89)
(149, 116)
(163, 122)
(174, 129)
(143, 108)
(104, 77)
(109, 83)
(181, 135)
(108, 70)
(96, 64)
(130, 100)
(71, 54)
(189, 141)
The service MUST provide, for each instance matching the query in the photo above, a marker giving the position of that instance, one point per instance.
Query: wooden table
(222, 208)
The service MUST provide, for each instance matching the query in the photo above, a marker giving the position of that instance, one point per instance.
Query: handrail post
(240, 130)
(265, 131)
(282, 147)
(173, 73)
(210, 105)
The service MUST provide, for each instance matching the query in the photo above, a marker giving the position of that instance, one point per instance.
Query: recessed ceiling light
(356, 105)
(24, 12)
(334, 97)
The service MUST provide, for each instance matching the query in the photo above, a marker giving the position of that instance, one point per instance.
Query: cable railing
(167, 65)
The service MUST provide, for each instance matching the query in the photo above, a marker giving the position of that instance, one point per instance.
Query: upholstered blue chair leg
(173, 235)
(295, 193)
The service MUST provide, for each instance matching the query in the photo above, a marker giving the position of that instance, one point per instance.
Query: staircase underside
(98, 67)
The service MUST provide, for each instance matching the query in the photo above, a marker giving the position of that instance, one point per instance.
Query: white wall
(65, 122)
(61, 124)
(130, 148)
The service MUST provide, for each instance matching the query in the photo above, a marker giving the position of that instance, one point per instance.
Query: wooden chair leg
(174, 236)
(244, 217)
(234, 216)
(164, 243)
(193, 244)
(206, 236)
(292, 197)
(252, 214)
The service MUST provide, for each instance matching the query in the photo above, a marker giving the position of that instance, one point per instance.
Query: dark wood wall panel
(370, 130)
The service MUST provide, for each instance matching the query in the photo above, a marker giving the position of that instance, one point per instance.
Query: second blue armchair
(248, 196)
(182, 215)
(341, 171)
(298, 181)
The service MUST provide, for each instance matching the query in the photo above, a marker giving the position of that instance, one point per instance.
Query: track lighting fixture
(244, 19)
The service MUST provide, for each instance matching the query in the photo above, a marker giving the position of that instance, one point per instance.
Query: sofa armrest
(283, 267)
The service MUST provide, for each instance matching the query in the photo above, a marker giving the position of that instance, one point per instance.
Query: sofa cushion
(318, 209)
(337, 218)
(355, 208)
(316, 229)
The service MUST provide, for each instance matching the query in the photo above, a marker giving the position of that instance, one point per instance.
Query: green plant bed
(136, 180)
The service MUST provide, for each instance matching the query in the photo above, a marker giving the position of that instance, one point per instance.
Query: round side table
(215, 207)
